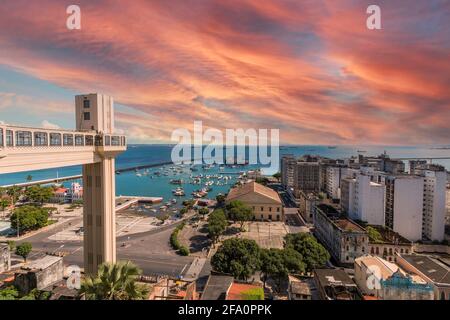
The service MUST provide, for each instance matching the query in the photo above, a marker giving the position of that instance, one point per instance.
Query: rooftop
(333, 277)
(237, 289)
(42, 263)
(253, 187)
(216, 287)
(432, 268)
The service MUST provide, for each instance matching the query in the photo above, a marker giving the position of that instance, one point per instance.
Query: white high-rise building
(433, 227)
(404, 205)
(333, 181)
(363, 198)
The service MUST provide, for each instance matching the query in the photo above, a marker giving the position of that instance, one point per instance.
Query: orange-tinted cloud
(309, 68)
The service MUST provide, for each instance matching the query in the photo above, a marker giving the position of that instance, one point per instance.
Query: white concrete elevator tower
(95, 112)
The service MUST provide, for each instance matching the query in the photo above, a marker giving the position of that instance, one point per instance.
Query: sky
(311, 69)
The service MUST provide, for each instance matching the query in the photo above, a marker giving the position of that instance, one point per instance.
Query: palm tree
(115, 282)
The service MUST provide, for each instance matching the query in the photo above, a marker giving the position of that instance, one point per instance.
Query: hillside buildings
(264, 201)
(306, 176)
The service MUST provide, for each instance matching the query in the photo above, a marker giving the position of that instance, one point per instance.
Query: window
(1, 137)
(107, 140)
(278, 209)
(124, 141)
(270, 209)
(278, 217)
(68, 139)
(40, 139)
(270, 217)
(23, 138)
(87, 116)
(262, 208)
(86, 104)
(9, 138)
(79, 140)
(98, 140)
(115, 141)
(55, 139)
(89, 140)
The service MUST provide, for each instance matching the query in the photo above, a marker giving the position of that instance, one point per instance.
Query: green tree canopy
(115, 282)
(238, 211)
(39, 194)
(23, 250)
(313, 253)
(239, 257)
(278, 263)
(220, 199)
(203, 211)
(217, 223)
(28, 218)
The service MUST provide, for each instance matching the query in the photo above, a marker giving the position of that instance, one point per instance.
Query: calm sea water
(128, 183)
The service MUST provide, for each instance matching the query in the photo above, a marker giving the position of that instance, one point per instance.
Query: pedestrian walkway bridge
(26, 149)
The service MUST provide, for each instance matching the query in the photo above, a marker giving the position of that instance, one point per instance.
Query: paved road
(150, 250)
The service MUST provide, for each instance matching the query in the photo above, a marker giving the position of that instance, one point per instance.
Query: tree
(39, 194)
(115, 282)
(28, 218)
(183, 211)
(11, 245)
(277, 175)
(9, 293)
(262, 180)
(217, 223)
(278, 263)
(272, 264)
(239, 257)
(24, 250)
(3, 205)
(220, 198)
(313, 253)
(238, 211)
(14, 193)
(203, 211)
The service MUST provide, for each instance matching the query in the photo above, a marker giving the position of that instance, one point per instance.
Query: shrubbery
(175, 243)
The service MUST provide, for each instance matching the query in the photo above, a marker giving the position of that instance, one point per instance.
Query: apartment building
(306, 177)
(362, 198)
(287, 165)
(434, 201)
(307, 205)
(404, 205)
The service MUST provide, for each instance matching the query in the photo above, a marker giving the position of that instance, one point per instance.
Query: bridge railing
(12, 137)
